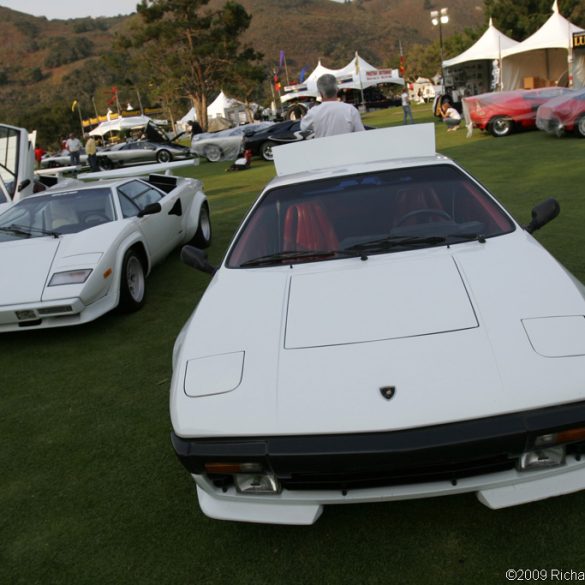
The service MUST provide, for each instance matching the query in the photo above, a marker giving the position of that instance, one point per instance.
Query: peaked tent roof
(353, 76)
(555, 33)
(489, 46)
(220, 104)
(216, 108)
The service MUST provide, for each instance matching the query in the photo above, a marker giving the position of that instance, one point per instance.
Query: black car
(261, 143)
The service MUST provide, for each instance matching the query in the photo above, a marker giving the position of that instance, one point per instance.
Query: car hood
(464, 332)
(25, 265)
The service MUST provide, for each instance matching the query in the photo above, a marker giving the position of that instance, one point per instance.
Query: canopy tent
(541, 59)
(357, 74)
(220, 107)
(477, 70)
(488, 47)
(120, 124)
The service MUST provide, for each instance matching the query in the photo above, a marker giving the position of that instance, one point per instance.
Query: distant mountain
(309, 30)
(48, 62)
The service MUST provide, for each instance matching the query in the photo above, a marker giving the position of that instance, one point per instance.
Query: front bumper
(471, 456)
(58, 313)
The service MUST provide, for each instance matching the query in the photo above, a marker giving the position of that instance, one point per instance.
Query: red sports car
(563, 114)
(500, 113)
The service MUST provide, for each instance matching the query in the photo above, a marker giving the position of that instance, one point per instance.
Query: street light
(439, 18)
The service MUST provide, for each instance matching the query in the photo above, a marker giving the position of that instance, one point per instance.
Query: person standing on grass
(73, 145)
(332, 117)
(91, 150)
(406, 107)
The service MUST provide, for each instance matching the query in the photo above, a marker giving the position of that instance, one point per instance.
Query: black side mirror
(150, 209)
(542, 214)
(23, 185)
(196, 258)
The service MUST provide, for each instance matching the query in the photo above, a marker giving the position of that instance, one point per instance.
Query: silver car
(141, 151)
(225, 144)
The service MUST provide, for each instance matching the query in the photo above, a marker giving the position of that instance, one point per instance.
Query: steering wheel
(95, 218)
(427, 212)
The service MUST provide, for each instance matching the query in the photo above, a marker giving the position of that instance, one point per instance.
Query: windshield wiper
(468, 236)
(290, 255)
(397, 241)
(23, 230)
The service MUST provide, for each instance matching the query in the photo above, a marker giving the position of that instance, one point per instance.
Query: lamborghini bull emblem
(388, 392)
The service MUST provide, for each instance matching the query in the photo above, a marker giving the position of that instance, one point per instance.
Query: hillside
(320, 29)
(45, 64)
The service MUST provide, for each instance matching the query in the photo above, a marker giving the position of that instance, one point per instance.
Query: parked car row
(126, 154)
(557, 110)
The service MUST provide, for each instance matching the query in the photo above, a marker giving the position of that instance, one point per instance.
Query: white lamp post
(439, 18)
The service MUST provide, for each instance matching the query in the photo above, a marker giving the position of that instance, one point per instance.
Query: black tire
(580, 126)
(164, 156)
(212, 153)
(500, 126)
(266, 150)
(132, 283)
(105, 163)
(202, 237)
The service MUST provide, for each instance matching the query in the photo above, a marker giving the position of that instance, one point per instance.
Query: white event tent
(120, 124)
(478, 68)
(221, 107)
(357, 74)
(488, 47)
(543, 55)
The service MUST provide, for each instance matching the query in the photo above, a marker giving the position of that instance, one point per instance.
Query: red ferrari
(563, 114)
(500, 113)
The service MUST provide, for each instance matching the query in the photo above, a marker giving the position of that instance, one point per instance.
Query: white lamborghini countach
(67, 257)
(380, 329)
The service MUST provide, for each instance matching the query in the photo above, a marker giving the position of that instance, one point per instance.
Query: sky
(64, 9)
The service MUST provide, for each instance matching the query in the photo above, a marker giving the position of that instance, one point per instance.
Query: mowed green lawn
(91, 491)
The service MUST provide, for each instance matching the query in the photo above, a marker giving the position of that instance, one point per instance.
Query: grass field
(90, 489)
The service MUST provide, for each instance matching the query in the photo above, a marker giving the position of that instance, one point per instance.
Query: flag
(277, 85)
(282, 58)
(74, 105)
(302, 74)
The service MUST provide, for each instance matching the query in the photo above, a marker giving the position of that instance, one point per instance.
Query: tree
(521, 19)
(194, 50)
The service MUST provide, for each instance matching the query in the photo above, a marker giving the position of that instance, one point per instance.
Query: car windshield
(373, 213)
(56, 214)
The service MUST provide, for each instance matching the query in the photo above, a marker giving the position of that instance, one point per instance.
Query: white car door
(163, 230)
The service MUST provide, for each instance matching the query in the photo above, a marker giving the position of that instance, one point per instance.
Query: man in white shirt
(405, 100)
(73, 145)
(332, 117)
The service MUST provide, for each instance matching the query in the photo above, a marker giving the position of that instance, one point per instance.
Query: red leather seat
(307, 227)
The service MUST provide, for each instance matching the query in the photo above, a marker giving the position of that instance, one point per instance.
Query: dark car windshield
(56, 214)
(373, 213)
